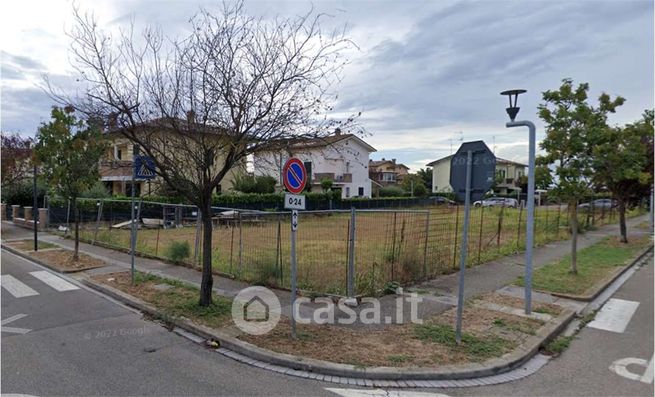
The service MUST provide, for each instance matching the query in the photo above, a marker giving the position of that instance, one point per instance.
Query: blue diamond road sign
(144, 167)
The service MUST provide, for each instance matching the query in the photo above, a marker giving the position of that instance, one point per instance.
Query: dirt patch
(28, 245)
(486, 334)
(62, 260)
(518, 303)
(180, 300)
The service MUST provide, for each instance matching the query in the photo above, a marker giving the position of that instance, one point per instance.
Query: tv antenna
(460, 139)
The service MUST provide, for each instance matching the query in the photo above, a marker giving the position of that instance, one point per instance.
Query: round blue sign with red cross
(294, 175)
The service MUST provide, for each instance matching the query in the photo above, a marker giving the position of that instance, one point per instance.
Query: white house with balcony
(341, 158)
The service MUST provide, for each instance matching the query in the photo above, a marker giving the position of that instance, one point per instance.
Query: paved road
(584, 368)
(83, 344)
(80, 343)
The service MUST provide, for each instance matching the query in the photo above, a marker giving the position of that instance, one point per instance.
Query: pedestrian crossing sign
(144, 167)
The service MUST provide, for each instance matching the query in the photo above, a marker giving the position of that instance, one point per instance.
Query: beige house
(387, 172)
(508, 174)
(116, 168)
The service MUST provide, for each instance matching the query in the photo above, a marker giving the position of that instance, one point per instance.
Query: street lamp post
(512, 111)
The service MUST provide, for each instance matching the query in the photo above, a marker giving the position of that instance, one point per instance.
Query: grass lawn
(389, 246)
(595, 264)
(172, 297)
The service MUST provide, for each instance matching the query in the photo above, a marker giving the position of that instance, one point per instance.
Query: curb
(254, 353)
(608, 281)
(45, 264)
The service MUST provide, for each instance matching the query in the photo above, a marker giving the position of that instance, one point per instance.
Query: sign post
(472, 172)
(294, 177)
(144, 168)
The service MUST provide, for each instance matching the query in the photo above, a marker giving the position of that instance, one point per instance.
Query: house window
(519, 174)
(388, 177)
(347, 167)
(119, 154)
(347, 192)
(501, 173)
(360, 191)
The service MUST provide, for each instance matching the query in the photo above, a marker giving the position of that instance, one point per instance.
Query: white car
(497, 202)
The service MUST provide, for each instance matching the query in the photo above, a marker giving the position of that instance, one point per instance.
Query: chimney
(383, 159)
(337, 131)
(191, 117)
(393, 161)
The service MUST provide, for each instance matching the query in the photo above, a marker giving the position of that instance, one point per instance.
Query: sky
(426, 75)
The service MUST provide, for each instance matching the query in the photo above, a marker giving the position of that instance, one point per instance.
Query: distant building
(116, 166)
(341, 158)
(508, 174)
(387, 172)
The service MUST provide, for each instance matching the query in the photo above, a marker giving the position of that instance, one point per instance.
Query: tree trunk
(622, 226)
(207, 279)
(574, 237)
(76, 215)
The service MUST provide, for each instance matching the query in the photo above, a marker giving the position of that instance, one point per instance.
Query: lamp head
(513, 95)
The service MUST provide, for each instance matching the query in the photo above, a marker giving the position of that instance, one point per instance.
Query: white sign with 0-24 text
(294, 201)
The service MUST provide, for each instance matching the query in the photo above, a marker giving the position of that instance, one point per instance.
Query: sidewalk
(438, 295)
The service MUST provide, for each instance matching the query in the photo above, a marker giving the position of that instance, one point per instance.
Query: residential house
(508, 174)
(387, 172)
(116, 166)
(341, 158)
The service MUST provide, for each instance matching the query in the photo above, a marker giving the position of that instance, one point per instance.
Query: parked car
(497, 202)
(600, 203)
(440, 200)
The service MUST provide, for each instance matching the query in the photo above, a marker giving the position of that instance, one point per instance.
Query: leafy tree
(68, 151)
(414, 183)
(15, 160)
(426, 175)
(326, 184)
(200, 105)
(621, 158)
(543, 178)
(572, 127)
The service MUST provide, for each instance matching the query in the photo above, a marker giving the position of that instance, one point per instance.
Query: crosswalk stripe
(55, 282)
(614, 315)
(15, 287)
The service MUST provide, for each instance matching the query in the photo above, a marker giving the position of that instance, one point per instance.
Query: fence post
(197, 242)
(240, 271)
(231, 244)
(480, 234)
(68, 213)
(500, 226)
(425, 246)
(393, 247)
(278, 253)
(456, 235)
(351, 255)
(518, 229)
(95, 233)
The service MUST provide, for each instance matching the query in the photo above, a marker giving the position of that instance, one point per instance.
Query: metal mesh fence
(389, 245)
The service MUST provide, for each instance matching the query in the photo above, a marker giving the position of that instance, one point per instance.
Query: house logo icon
(256, 310)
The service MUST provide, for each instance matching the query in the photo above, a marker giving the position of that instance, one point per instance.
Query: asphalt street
(584, 368)
(80, 343)
(59, 338)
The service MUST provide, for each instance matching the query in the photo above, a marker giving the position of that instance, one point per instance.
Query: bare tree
(200, 105)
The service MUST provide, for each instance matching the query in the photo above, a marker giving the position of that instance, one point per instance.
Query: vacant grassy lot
(402, 246)
(595, 264)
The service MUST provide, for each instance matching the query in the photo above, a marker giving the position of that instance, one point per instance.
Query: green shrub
(261, 184)
(391, 191)
(178, 251)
